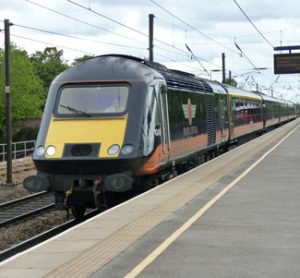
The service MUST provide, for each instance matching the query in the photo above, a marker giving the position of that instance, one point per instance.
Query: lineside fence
(19, 149)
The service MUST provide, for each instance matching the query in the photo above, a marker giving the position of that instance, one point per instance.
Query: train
(117, 123)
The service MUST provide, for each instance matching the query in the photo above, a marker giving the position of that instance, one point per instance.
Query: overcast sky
(207, 27)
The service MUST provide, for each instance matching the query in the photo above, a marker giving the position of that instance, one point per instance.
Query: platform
(235, 216)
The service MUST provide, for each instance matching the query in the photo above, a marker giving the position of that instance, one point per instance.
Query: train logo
(189, 111)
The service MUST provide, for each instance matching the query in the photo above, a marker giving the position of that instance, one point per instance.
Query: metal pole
(8, 104)
(151, 18)
(223, 68)
(230, 77)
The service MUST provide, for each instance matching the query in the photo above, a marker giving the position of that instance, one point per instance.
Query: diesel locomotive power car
(115, 123)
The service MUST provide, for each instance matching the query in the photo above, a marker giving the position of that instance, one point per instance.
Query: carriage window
(87, 101)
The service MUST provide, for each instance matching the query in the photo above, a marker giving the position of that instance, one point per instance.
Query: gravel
(14, 234)
(17, 233)
(8, 193)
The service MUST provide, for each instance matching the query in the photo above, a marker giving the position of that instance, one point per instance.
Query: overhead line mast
(9, 181)
(151, 19)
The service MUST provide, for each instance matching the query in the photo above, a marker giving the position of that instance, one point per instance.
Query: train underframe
(107, 191)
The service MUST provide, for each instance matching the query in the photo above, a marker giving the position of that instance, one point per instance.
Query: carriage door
(164, 116)
(221, 118)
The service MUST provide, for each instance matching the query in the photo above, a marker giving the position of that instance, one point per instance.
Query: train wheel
(78, 210)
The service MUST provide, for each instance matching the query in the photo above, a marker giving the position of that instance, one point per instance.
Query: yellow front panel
(105, 131)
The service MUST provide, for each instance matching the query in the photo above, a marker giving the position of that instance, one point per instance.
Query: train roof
(118, 66)
(109, 68)
(274, 99)
(181, 79)
(234, 91)
(174, 78)
(267, 97)
(217, 87)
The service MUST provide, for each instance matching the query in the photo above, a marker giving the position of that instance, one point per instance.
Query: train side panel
(221, 113)
(283, 108)
(198, 119)
(187, 115)
(271, 109)
(291, 110)
(246, 109)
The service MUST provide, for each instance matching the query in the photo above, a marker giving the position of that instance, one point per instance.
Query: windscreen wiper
(75, 110)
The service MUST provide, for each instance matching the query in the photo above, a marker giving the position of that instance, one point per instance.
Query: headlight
(127, 149)
(113, 149)
(40, 151)
(50, 150)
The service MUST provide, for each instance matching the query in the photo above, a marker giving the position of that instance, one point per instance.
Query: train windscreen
(88, 101)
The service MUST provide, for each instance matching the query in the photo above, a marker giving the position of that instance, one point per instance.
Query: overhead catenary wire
(82, 51)
(275, 81)
(197, 30)
(261, 34)
(132, 29)
(53, 44)
(174, 49)
(187, 65)
(195, 57)
(206, 36)
(187, 54)
(125, 26)
(108, 18)
(78, 50)
(192, 27)
(201, 33)
(185, 30)
(113, 20)
(82, 22)
(87, 23)
(244, 54)
(74, 37)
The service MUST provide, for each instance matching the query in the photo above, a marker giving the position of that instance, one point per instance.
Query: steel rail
(22, 208)
(7, 253)
(26, 215)
(22, 199)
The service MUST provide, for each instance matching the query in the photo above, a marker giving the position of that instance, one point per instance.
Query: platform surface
(235, 216)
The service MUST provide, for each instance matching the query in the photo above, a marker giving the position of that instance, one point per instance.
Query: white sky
(220, 20)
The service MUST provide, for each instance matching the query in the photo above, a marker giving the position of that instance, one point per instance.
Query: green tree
(231, 82)
(47, 65)
(26, 88)
(81, 59)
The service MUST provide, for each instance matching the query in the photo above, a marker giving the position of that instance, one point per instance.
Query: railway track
(15, 249)
(22, 208)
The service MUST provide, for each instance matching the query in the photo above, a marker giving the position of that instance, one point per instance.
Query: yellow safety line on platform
(161, 248)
